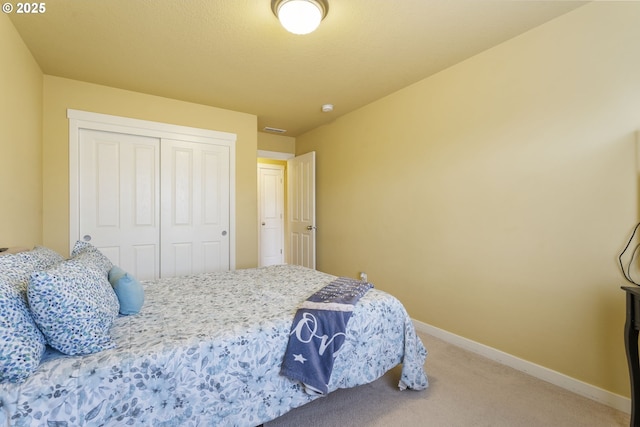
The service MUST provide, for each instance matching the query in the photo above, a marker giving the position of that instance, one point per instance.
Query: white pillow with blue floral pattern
(91, 255)
(40, 258)
(21, 342)
(74, 304)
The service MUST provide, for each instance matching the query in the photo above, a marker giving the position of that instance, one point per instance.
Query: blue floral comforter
(206, 351)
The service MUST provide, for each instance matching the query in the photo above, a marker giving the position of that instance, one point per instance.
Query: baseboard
(600, 395)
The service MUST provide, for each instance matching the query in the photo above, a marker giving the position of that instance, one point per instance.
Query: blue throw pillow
(115, 274)
(128, 289)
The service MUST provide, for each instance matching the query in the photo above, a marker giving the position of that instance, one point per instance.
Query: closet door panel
(212, 255)
(195, 207)
(119, 198)
(211, 181)
(145, 261)
(107, 192)
(182, 182)
(145, 186)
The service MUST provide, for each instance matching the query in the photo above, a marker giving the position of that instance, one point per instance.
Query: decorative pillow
(115, 274)
(40, 258)
(74, 306)
(91, 256)
(21, 342)
(15, 269)
(128, 289)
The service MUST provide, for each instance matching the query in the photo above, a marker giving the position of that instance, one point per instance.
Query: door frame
(276, 155)
(96, 121)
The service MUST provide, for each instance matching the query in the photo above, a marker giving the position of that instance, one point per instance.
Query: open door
(301, 190)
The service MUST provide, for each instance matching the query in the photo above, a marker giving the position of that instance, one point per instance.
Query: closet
(157, 199)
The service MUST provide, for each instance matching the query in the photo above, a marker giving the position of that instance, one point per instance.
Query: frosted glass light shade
(300, 16)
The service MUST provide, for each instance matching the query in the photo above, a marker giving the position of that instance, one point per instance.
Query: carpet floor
(465, 389)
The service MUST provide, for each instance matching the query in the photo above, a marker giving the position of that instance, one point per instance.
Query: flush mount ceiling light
(300, 16)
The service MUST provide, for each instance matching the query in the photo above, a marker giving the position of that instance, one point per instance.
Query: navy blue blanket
(318, 332)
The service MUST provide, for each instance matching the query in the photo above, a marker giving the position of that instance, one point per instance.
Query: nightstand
(631, 327)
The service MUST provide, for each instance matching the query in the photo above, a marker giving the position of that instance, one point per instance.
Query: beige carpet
(464, 390)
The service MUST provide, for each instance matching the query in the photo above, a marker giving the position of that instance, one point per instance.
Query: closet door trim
(88, 120)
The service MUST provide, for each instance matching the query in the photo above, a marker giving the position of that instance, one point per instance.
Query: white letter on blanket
(310, 318)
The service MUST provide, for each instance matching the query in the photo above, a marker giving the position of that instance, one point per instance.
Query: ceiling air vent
(274, 130)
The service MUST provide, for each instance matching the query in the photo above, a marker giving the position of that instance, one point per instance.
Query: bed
(206, 350)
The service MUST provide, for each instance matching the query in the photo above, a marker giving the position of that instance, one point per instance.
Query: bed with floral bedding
(206, 350)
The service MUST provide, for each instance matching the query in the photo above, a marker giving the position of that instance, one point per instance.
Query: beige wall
(20, 141)
(62, 94)
(278, 143)
(493, 198)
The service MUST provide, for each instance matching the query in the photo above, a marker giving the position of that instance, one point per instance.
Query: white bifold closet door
(156, 207)
(194, 216)
(119, 198)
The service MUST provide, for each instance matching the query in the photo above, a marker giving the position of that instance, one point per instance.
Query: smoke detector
(327, 108)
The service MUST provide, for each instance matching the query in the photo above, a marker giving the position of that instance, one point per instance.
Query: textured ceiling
(234, 54)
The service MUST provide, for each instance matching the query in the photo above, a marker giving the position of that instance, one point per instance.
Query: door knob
(311, 227)
(264, 223)
(86, 238)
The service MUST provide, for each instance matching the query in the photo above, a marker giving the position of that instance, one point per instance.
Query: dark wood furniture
(631, 328)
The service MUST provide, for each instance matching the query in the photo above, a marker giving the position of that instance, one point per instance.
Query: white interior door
(194, 208)
(118, 197)
(271, 214)
(301, 183)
